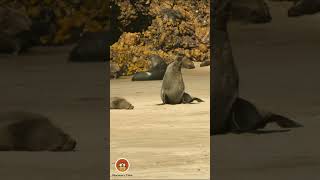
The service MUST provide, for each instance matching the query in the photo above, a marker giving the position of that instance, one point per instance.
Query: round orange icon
(122, 165)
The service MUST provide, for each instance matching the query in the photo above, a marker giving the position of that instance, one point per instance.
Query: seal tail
(197, 99)
(187, 98)
(282, 121)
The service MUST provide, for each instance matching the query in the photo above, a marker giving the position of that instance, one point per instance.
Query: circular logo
(122, 165)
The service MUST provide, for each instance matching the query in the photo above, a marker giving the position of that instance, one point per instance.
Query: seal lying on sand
(120, 103)
(172, 90)
(229, 112)
(156, 72)
(25, 131)
(304, 7)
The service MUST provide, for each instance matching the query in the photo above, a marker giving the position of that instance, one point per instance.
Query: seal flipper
(156, 72)
(244, 117)
(187, 98)
(282, 121)
(141, 76)
(164, 98)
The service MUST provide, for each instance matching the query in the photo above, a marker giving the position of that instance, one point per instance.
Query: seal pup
(156, 72)
(304, 7)
(173, 90)
(120, 103)
(26, 131)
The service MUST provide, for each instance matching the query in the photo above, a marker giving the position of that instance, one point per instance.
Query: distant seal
(114, 70)
(25, 131)
(251, 11)
(304, 7)
(229, 112)
(173, 90)
(120, 103)
(187, 63)
(92, 47)
(156, 72)
(205, 63)
(15, 31)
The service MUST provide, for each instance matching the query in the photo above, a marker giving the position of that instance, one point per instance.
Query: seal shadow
(178, 104)
(256, 132)
(260, 132)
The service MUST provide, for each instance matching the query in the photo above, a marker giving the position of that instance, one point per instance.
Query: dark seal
(250, 11)
(304, 7)
(15, 31)
(92, 47)
(229, 112)
(156, 72)
(25, 131)
(173, 90)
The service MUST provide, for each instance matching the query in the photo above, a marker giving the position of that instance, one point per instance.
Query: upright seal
(172, 90)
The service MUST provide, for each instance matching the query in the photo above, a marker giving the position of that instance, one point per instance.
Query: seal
(15, 31)
(120, 103)
(304, 7)
(156, 72)
(92, 47)
(114, 70)
(173, 90)
(205, 63)
(229, 112)
(250, 11)
(187, 63)
(26, 131)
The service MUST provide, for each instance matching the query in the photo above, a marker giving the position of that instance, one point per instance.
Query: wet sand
(279, 70)
(162, 142)
(73, 96)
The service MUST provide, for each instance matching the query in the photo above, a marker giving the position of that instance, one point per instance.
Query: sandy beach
(279, 69)
(162, 142)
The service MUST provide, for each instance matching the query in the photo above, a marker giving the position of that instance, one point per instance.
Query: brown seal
(173, 90)
(250, 11)
(156, 72)
(304, 7)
